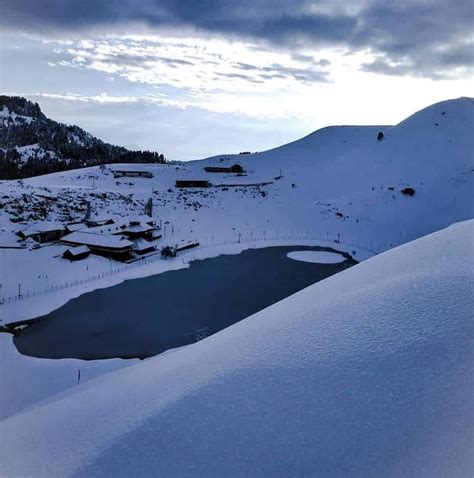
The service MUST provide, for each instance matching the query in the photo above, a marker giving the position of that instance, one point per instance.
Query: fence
(29, 293)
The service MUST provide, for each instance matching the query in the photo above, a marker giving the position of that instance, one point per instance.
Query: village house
(101, 244)
(43, 233)
(236, 168)
(138, 229)
(192, 183)
(77, 226)
(99, 222)
(76, 253)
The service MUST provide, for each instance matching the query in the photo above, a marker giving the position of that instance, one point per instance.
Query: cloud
(186, 72)
(195, 65)
(408, 37)
(419, 38)
(306, 75)
(449, 62)
(103, 98)
(309, 59)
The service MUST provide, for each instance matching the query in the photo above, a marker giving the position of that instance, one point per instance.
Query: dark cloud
(419, 38)
(384, 66)
(310, 59)
(303, 58)
(411, 37)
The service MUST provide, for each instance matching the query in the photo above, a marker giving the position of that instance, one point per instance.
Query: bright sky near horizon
(194, 79)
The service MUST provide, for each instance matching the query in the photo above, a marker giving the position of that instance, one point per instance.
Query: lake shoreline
(158, 299)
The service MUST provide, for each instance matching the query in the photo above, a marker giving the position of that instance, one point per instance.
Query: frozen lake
(144, 317)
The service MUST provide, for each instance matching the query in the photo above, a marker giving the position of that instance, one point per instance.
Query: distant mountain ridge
(32, 144)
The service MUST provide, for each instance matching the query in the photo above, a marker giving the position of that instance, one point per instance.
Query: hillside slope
(367, 373)
(32, 144)
(346, 170)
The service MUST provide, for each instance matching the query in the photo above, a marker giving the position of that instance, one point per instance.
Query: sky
(192, 79)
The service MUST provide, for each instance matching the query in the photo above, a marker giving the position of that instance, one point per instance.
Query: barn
(192, 183)
(236, 168)
(217, 169)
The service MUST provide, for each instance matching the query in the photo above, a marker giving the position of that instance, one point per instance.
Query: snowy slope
(27, 380)
(367, 373)
(338, 183)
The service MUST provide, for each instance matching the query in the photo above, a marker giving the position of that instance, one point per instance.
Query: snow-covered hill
(339, 186)
(32, 144)
(367, 373)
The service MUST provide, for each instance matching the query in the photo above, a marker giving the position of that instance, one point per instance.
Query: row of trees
(12, 166)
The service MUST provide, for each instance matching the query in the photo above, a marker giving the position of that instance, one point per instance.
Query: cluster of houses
(123, 240)
(117, 240)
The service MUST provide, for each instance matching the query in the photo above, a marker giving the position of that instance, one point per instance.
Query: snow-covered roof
(76, 251)
(142, 245)
(141, 218)
(107, 229)
(42, 227)
(138, 228)
(98, 240)
(76, 227)
(28, 232)
(101, 220)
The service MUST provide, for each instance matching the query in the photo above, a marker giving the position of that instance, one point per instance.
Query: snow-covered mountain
(367, 373)
(32, 144)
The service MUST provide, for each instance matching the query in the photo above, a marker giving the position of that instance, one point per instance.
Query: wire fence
(210, 243)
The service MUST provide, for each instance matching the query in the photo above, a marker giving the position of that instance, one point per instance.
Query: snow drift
(367, 373)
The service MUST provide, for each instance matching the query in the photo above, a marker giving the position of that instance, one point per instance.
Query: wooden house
(44, 233)
(192, 183)
(76, 253)
(236, 168)
(101, 244)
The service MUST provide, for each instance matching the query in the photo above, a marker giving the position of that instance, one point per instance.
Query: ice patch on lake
(320, 257)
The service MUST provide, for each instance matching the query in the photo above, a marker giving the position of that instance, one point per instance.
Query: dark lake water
(143, 317)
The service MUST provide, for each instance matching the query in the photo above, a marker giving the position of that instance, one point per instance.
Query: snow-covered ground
(339, 186)
(367, 373)
(25, 380)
